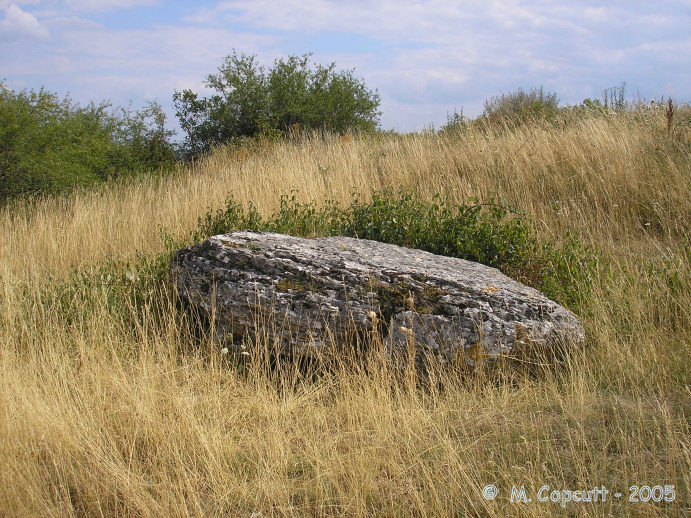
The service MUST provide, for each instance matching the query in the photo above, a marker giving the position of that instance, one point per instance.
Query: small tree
(250, 100)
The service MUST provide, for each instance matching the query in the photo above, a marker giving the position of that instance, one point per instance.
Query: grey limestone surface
(312, 291)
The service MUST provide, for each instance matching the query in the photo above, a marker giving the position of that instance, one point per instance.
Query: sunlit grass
(114, 405)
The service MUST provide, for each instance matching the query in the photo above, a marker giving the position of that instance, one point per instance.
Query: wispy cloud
(18, 25)
(93, 62)
(467, 51)
(107, 5)
(426, 57)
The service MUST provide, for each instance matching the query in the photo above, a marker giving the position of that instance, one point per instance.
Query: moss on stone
(299, 285)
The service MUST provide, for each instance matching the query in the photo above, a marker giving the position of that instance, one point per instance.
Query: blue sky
(426, 57)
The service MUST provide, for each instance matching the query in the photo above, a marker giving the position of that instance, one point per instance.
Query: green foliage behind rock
(491, 233)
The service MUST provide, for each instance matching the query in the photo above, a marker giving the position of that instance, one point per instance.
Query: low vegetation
(116, 403)
(490, 233)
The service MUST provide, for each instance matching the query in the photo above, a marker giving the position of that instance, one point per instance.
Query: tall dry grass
(605, 177)
(110, 416)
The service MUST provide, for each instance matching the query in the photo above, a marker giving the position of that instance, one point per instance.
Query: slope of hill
(114, 404)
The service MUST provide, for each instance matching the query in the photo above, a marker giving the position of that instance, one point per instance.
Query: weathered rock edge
(313, 289)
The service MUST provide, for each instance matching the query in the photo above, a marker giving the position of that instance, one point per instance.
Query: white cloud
(439, 22)
(433, 21)
(18, 24)
(62, 6)
(426, 57)
(107, 5)
(120, 65)
(60, 22)
(4, 4)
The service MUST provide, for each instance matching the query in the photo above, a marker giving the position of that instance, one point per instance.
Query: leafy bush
(482, 232)
(490, 233)
(49, 145)
(292, 95)
(520, 106)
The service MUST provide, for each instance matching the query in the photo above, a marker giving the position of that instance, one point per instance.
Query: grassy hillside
(112, 405)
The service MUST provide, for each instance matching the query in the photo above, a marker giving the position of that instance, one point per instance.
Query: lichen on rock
(309, 288)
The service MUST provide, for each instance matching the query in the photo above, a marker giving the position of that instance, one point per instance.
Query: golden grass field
(101, 418)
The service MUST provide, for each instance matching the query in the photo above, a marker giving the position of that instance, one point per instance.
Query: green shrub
(49, 145)
(570, 271)
(291, 96)
(491, 233)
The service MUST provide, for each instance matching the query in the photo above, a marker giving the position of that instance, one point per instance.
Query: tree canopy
(250, 99)
(49, 145)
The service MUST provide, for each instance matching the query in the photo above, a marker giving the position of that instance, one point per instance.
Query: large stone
(311, 292)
